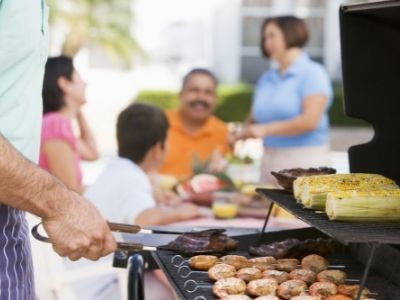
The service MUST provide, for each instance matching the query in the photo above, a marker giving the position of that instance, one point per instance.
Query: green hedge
(234, 103)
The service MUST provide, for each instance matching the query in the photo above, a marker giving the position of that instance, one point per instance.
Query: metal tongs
(115, 227)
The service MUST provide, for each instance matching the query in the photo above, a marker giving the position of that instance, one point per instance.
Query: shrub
(234, 103)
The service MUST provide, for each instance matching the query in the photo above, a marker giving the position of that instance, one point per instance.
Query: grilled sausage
(307, 276)
(279, 276)
(334, 276)
(229, 286)
(249, 274)
(237, 261)
(220, 271)
(314, 263)
(261, 287)
(287, 264)
(202, 262)
(323, 289)
(291, 288)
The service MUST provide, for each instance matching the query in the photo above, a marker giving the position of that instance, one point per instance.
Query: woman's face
(74, 90)
(274, 41)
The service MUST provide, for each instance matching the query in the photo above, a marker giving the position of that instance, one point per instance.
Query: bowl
(286, 177)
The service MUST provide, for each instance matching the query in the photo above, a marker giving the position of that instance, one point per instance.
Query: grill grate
(344, 232)
(376, 283)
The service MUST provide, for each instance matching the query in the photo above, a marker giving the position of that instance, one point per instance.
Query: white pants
(276, 159)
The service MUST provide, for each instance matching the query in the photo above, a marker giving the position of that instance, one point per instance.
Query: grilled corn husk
(312, 191)
(364, 206)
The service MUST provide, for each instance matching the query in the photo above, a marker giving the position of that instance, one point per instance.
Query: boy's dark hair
(53, 96)
(294, 31)
(140, 127)
(199, 71)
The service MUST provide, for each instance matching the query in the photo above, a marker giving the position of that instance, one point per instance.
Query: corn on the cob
(364, 206)
(312, 191)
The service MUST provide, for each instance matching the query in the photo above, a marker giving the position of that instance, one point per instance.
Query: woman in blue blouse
(291, 101)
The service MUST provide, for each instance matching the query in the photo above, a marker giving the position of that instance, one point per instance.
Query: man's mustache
(202, 103)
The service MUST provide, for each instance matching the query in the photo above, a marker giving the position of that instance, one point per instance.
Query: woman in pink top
(63, 96)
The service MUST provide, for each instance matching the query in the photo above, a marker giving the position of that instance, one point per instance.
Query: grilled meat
(220, 271)
(323, 289)
(268, 297)
(307, 276)
(229, 286)
(287, 264)
(202, 262)
(291, 288)
(334, 276)
(249, 274)
(261, 287)
(237, 261)
(351, 290)
(314, 263)
(263, 263)
(286, 177)
(212, 241)
(236, 297)
(305, 297)
(279, 276)
(338, 297)
(294, 248)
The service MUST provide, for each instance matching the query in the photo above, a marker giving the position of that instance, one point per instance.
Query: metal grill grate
(376, 283)
(344, 232)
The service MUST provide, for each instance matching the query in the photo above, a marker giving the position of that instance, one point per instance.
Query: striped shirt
(23, 53)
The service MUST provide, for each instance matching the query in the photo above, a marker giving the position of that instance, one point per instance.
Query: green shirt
(23, 54)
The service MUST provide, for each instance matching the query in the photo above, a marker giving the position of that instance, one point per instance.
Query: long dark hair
(53, 96)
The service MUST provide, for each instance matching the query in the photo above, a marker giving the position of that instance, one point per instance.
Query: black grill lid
(370, 45)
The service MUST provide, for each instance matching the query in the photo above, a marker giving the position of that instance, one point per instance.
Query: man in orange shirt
(194, 132)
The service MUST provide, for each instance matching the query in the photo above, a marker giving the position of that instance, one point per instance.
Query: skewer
(195, 285)
(188, 271)
(178, 260)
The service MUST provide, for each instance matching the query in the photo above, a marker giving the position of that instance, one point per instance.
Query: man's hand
(79, 231)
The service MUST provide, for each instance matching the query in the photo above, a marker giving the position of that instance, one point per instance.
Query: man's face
(198, 97)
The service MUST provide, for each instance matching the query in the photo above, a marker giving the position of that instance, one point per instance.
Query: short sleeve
(57, 128)
(316, 82)
(135, 202)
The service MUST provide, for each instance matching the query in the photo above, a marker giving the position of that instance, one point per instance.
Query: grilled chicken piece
(305, 297)
(307, 276)
(220, 271)
(279, 276)
(249, 274)
(323, 289)
(236, 297)
(202, 262)
(291, 288)
(229, 286)
(351, 290)
(263, 263)
(262, 287)
(314, 263)
(294, 248)
(334, 276)
(287, 264)
(237, 261)
(269, 297)
(338, 297)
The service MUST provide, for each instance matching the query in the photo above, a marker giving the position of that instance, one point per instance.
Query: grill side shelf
(344, 232)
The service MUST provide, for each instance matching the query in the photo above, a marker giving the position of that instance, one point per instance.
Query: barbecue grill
(370, 42)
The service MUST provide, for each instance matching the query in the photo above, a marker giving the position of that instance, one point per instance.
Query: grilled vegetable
(312, 191)
(361, 206)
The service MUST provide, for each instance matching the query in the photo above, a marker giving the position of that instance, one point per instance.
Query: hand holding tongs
(116, 227)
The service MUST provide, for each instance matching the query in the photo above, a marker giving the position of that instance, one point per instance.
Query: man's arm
(73, 224)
